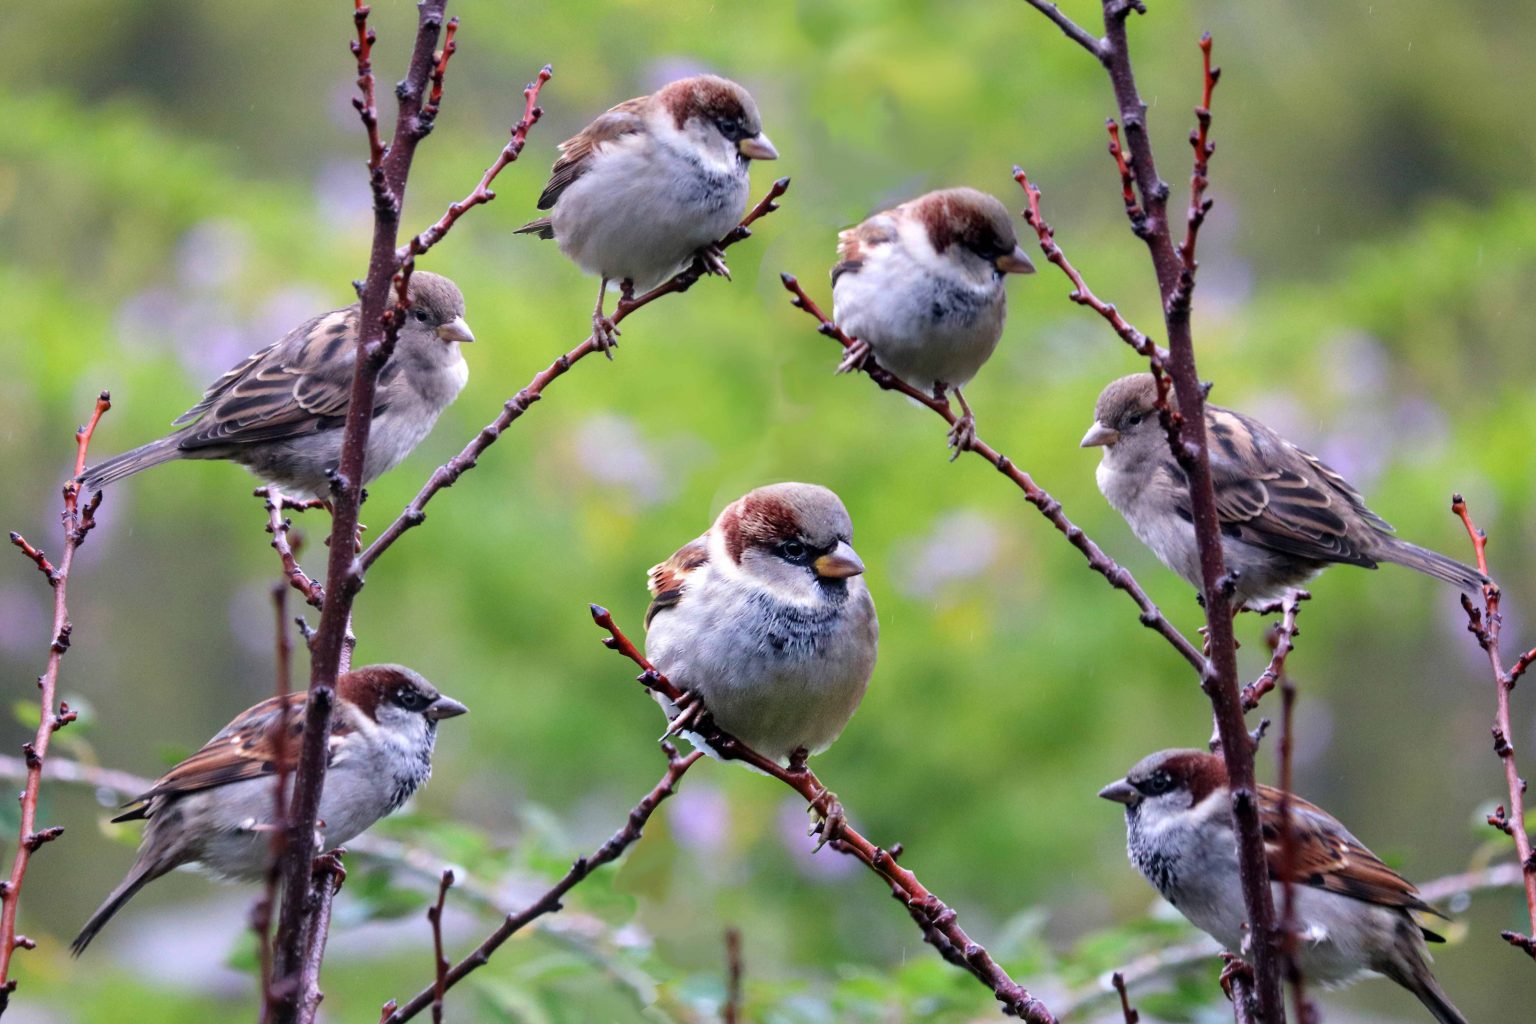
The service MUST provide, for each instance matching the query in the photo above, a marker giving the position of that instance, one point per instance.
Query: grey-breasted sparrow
(921, 286)
(1285, 516)
(1354, 914)
(767, 619)
(280, 412)
(215, 809)
(652, 183)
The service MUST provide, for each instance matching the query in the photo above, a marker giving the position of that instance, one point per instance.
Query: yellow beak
(838, 564)
(757, 148)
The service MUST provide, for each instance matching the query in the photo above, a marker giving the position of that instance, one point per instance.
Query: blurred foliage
(181, 182)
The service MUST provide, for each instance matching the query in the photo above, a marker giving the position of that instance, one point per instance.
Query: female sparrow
(280, 412)
(216, 807)
(1285, 516)
(921, 286)
(1354, 914)
(651, 184)
(766, 619)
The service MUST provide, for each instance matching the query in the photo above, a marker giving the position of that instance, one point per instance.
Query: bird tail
(128, 463)
(1423, 984)
(1432, 563)
(140, 876)
(543, 227)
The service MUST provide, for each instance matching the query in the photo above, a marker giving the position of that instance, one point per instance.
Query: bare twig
(1098, 561)
(1070, 28)
(549, 903)
(328, 876)
(1486, 624)
(1199, 206)
(440, 963)
(1282, 638)
(1126, 1010)
(730, 1013)
(1290, 925)
(448, 473)
(280, 527)
(931, 913)
(261, 912)
(77, 520)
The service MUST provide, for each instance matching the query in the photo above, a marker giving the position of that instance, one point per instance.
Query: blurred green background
(182, 182)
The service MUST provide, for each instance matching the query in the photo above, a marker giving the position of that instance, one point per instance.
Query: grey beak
(1098, 436)
(757, 147)
(1016, 262)
(445, 707)
(1121, 792)
(456, 330)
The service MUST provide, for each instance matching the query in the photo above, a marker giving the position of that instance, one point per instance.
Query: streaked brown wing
(301, 385)
(576, 152)
(668, 579)
(854, 244)
(1328, 857)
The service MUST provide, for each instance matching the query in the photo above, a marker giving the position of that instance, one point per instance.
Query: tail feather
(1434, 998)
(1432, 563)
(543, 227)
(140, 876)
(118, 466)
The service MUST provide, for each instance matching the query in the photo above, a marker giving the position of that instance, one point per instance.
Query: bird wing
(668, 579)
(1272, 494)
(262, 740)
(299, 385)
(1327, 857)
(576, 152)
(855, 244)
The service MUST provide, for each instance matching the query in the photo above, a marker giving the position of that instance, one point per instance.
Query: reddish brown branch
(276, 503)
(440, 69)
(1290, 926)
(550, 902)
(77, 520)
(482, 192)
(1282, 638)
(1485, 624)
(1199, 206)
(1133, 209)
(365, 104)
(328, 876)
(1098, 561)
(440, 963)
(928, 910)
(730, 1013)
(1126, 1010)
(261, 912)
(448, 473)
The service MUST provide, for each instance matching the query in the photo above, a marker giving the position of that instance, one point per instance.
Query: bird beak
(1099, 435)
(757, 148)
(456, 330)
(1016, 262)
(838, 564)
(1121, 792)
(445, 707)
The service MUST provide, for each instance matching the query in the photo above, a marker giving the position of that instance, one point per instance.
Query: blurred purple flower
(611, 450)
(960, 546)
(24, 618)
(700, 819)
(212, 255)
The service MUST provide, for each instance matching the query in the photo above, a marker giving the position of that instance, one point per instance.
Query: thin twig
(1486, 624)
(1098, 561)
(1290, 923)
(1282, 639)
(280, 527)
(549, 903)
(1199, 206)
(931, 913)
(1126, 1010)
(261, 912)
(1070, 28)
(78, 521)
(440, 963)
(730, 1013)
(448, 473)
(329, 874)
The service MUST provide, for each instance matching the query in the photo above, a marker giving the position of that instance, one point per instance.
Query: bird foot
(962, 436)
(854, 357)
(827, 823)
(1235, 968)
(605, 336)
(691, 713)
(713, 258)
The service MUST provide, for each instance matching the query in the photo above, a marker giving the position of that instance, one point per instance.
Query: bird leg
(690, 709)
(604, 334)
(854, 357)
(713, 258)
(1236, 968)
(825, 808)
(963, 434)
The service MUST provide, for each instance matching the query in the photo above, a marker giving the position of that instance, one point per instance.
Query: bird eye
(1134, 418)
(730, 128)
(411, 699)
(420, 315)
(792, 550)
(1160, 782)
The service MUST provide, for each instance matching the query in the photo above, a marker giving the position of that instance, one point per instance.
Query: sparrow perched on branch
(1353, 913)
(1285, 516)
(921, 287)
(215, 809)
(765, 617)
(281, 411)
(653, 183)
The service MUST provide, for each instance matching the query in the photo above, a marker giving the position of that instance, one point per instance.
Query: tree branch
(1282, 639)
(78, 520)
(730, 1013)
(276, 503)
(1486, 624)
(931, 913)
(1070, 28)
(448, 473)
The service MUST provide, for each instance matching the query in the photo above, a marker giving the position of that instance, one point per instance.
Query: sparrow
(652, 184)
(280, 411)
(1354, 914)
(921, 287)
(766, 619)
(1285, 515)
(215, 809)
